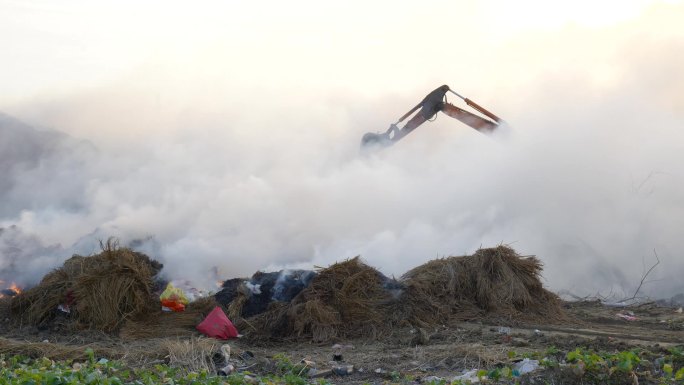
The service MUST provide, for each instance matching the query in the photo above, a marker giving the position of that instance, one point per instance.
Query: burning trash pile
(12, 290)
(351, 299)
(117, 291)
(98, 292)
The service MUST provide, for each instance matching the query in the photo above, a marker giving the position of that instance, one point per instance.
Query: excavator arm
(434, 102)
(472, 120)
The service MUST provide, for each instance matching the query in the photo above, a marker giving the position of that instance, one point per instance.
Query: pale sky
(366, 47)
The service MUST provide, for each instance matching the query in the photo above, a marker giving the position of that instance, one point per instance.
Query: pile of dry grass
(351, 299)
(344, 300)
(494, 283)
(103, 290)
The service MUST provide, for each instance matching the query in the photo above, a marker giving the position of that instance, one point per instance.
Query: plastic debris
(226, 370)
(504, 330)
(217, 325)
(627, 316)
(315, 373)
(526, 366)
(173, 298)
(467, 376)
(64, 308)
(249, 379)
(343, 370)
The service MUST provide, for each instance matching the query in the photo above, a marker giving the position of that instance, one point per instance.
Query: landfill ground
(406, 356)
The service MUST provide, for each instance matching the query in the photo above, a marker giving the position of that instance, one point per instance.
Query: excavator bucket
(375, 140)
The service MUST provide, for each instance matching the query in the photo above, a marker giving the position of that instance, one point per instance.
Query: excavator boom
(433, 103)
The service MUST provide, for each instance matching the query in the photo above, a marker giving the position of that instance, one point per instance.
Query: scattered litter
(314, 373)
(678, 310)
(380, 371)
(344, 370)
(526, 366)
(102, 361)
(337, 351)
(308, 363)
(226, 370)
(538, 332)
(504, 330)
(64, 308)
(250, 380)
(229, 368)
(173, 298)
(627, 316)
(46, 341)
(467, 376)
(217, 325)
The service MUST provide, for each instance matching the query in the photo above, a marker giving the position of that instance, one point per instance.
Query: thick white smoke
(588, 177)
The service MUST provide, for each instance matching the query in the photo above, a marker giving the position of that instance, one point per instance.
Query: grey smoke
(587, 178)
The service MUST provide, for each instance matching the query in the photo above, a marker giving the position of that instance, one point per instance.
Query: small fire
(14, 287)
(10, 291)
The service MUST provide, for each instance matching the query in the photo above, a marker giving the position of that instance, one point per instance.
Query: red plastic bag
(217, 325)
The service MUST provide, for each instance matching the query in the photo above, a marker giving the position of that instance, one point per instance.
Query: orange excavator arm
(434, 102)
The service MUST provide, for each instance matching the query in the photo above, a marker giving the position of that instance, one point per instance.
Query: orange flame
(14, 287)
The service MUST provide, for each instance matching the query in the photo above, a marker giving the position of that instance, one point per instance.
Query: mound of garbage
(97, 292)
(117, 291)
(495, 283)
(351, 299)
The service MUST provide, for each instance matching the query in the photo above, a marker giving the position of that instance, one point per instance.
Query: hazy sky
(228, 132)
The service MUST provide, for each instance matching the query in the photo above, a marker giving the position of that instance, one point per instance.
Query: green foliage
(20, 370)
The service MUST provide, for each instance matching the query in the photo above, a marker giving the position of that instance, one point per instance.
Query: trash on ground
(467, 376)
(64, 308)
(343, 370)
(315, 373)
(627, 316)
(173, 298)
(526, 366)
(217, 325)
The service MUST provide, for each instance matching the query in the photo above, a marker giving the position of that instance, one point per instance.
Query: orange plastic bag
(173, 299)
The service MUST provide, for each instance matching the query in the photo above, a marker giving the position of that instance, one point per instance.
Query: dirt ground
(408, 356)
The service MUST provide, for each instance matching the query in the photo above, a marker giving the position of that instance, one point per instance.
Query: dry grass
(193, 355)
(159, 324)
(492, 283)
(104, 290)
(349, 299)
(343, 301)
(135, 355)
